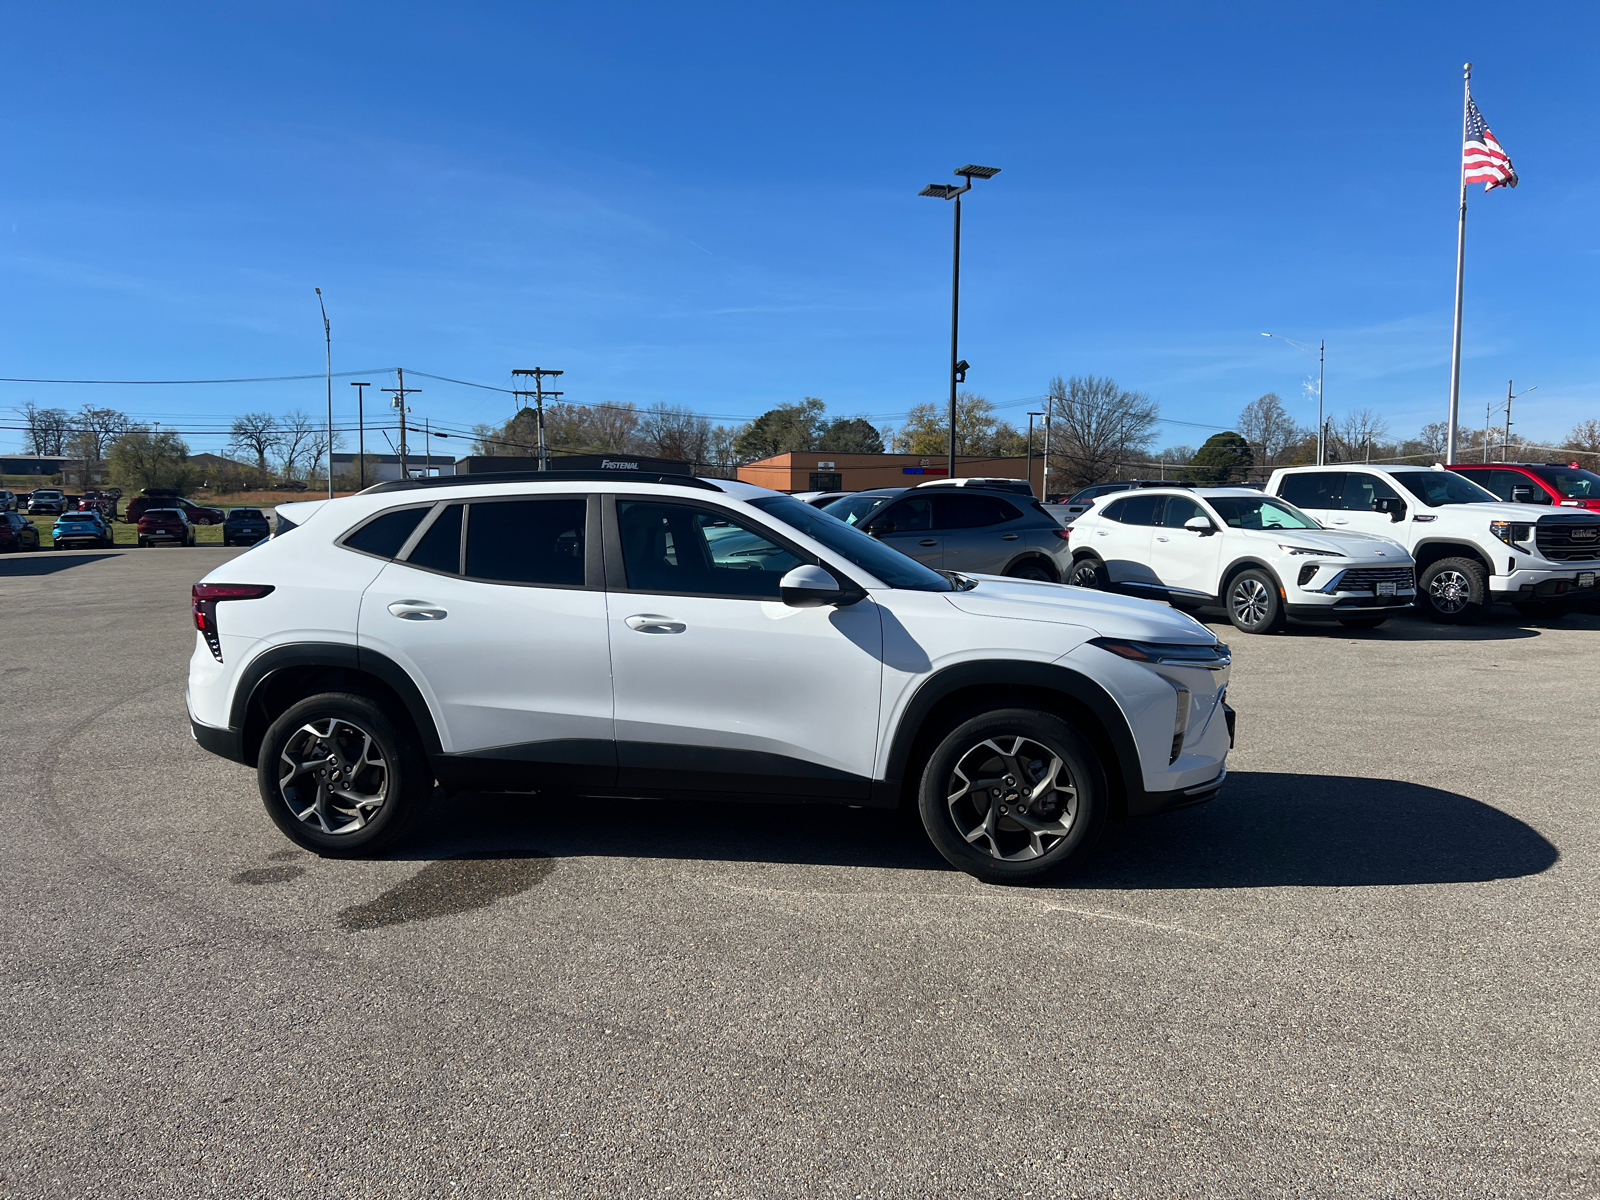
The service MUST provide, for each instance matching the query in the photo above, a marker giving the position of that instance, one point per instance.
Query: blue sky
(716, 205)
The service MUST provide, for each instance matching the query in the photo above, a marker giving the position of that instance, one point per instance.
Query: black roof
(440, 481)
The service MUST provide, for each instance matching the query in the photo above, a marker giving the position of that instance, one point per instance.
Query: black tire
(1254, 602)
(1454, 591)
(1033, 570)
(1089, 572)
(142, 543)
(983, 834)
(377, 755)
(1362, 622)
(1543, 610)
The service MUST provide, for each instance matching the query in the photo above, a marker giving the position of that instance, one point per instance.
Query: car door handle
(417, 610)
(1008, 537)
(1162, 539)
(1346, 521)
(928, 542)
(654, 623)
(1102, 533)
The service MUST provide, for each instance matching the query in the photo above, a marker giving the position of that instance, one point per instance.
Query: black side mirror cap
(1393, 505)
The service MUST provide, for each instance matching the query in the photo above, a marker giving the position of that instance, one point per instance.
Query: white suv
(689, 640)
(1261, 559)
(1472, 548)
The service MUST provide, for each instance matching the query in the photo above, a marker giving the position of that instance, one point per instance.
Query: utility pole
(1045, 480)
(1031, 416)
(1509, 399)
(427, 447)
(400, 394)
(538, 374)
(361, 435)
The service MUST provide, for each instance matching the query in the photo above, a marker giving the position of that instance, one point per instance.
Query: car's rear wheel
(1254, 603)
(1454, 591)
(1013, 796)
(340, 777)
(1089, 572)
(1362, 622)
(1035, 571)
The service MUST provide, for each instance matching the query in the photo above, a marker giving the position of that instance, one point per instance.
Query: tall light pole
(327, 335)
(946, 191)
(361, 432)
(1322, 348)
(1031, 416)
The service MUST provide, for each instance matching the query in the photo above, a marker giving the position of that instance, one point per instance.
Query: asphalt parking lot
(1368, 969)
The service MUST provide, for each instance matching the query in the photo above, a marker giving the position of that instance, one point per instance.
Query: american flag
(1481, 156)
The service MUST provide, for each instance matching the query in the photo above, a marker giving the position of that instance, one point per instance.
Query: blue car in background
(76, 529)
(244, 527)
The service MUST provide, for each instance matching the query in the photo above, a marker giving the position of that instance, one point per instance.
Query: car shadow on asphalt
(46, 563)
(1265, 830)
(1498, 626)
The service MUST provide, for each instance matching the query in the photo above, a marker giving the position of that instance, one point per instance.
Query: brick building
(825, 471)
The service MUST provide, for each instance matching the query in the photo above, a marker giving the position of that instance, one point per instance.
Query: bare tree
(47, 428)
(672, 431)
(297, 441)
(94, 429)
(256, 433)
(1585, 437)
(1096, 425)
(1269, 429)
(1356, 435)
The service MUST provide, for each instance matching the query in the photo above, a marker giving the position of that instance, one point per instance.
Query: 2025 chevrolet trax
(686, 639)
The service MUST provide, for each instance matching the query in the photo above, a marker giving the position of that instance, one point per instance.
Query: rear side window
(527, 541)
(965, 511)
(1136, 510)
(1314, 489)
(383, 535)
(440, 547)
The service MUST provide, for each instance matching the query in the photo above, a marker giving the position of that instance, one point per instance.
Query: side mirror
(810, 586)
(1526, 493)
(879, 528)
(1201, 525)
(1393, 505)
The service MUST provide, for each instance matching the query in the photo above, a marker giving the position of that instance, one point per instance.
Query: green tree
(978, 430)
(1224, 458)
(145, 458)
(851, 435)
(783, 429)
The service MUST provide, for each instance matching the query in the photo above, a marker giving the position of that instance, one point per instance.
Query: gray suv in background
(976, 530)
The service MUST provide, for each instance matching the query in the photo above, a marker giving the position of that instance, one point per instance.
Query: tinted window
(1113, 511)
(527, 541)
(1434, 488)
(1314, 489)
(382, 536)
(1573, 482)
(1259, 512)
(966, 511)
(440, 547)
(1361, 489)
(894, 568)
(1180, 509)
(678, 548)
(1140, 510)
(1499, 482)
(253, 514)
(854, 510)
(909, 516)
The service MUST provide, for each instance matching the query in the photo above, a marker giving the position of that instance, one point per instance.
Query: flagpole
(1461, 252)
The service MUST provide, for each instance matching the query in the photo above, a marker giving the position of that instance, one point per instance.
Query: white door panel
(1186, 560)
(506, 665)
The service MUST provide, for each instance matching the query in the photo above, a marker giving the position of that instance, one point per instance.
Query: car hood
(1335, 541)
(1523, 514)
(1105, 613)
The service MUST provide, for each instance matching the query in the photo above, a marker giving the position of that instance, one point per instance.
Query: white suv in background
(1472, 548)
(690, 640)
(1259, 558)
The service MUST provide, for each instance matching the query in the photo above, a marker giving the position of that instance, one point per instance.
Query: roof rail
(435, 481)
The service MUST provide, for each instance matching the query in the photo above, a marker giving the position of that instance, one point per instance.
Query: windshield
(894, 568)
(1572, 482)
(1260, 512)
(854, 510)
(1435, 488)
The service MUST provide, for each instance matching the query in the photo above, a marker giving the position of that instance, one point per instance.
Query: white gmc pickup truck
(1472, 548)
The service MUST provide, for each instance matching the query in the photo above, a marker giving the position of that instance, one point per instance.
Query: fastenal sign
(612, 464)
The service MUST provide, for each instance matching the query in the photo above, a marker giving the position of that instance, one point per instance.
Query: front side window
(1361, 489)
(909, 516)
(440, 547)
(683, 549)
(527, 541)
(1436, 488)
(849, 543)
(968, 511)
(1179, 510)
(1314, 489)
(1259, 512)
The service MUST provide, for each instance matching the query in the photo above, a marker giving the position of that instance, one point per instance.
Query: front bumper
(1352, 606)
(1540, 583)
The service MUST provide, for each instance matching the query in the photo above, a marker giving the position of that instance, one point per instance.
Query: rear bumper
(225, 743)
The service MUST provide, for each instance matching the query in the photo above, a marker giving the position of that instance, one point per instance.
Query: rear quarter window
(384, 534)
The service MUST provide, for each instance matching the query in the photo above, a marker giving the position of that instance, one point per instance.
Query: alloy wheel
(1251, 601)
(1450, 592)
(333, 776)
(1012, 797)
(1085, 575)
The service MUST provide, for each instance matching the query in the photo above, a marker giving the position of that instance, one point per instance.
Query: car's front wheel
(341, 777)
(1013, 796)
(1254, 602)
(1089, 572)
(1454, 591)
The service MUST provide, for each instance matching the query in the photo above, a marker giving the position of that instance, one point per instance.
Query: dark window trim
(616, 571)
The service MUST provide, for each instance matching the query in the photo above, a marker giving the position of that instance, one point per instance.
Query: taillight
(203, 604)
(1063, 533)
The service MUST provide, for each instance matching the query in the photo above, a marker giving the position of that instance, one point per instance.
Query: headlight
(1169, 654)
(1511, 532)
(1287, 549)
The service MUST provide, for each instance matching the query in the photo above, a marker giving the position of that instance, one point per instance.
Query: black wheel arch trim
(1125, 774)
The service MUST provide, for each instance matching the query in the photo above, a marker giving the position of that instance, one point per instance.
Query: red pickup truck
(1536, 483)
